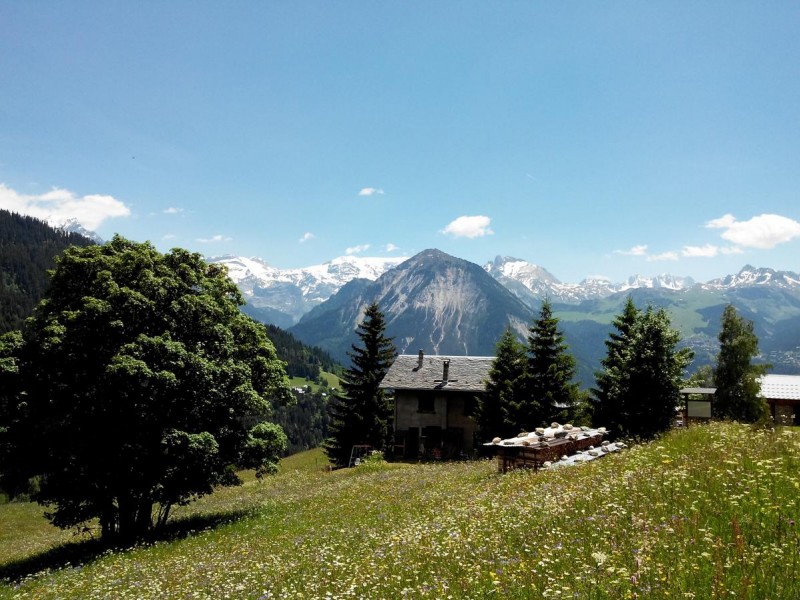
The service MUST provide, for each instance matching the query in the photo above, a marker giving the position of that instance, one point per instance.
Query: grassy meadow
(709, 512)
(331, 379)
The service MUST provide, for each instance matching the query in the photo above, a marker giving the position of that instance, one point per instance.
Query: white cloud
(357, 249)
(723, 221)
(214, 239)
(172, 210)
(306, 236)
(640, 250)
(663, 256)
(370, 191)
(763, 231)
(169, 236)
(58, 205)
(707, 251)
(730, 250)
(469, 227)
(391, 247)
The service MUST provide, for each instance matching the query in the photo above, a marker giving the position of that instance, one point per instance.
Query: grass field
(709, 512)
(333, 382)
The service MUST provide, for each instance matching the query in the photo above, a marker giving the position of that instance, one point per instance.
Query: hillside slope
(701, 513)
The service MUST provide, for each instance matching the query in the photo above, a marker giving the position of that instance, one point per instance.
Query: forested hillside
(301, 360)
(28, 248)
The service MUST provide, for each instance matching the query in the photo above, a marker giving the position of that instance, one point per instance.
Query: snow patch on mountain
(539, 283)
(662, 282)
(72, 225)
(751, 276)
(296, 291)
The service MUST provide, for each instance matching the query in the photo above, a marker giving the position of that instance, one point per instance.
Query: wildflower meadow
(707, 512)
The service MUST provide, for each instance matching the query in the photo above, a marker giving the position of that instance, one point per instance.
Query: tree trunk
(127, 518)
(144, 517)
(163, 514)
(109, 523)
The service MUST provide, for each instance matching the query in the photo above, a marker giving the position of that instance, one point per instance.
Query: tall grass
(709, 512)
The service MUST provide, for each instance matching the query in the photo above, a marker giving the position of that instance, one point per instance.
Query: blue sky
(594, 139)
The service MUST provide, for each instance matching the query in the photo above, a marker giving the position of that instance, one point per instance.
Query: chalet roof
(780, 387)
(465, 373)
(706, 391)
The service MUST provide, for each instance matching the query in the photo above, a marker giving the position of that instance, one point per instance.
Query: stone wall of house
(785, 414)
(436, 421)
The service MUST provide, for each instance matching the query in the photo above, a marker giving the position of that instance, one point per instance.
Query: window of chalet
(470, 406)
(425, 404)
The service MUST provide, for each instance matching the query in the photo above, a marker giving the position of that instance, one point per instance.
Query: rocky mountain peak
(750, 276)
(72, 225)
(434, 301)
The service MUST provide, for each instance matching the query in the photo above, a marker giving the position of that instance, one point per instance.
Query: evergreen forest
(28, 248)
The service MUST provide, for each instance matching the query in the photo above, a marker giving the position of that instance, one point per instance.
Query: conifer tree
(653, 375)
(496, 411)
(609, 395)
(363, 415)
(735, 377)
(639, 387)
(550, 393)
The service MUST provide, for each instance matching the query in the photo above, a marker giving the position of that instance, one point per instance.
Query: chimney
(421, 357)
(445, 370)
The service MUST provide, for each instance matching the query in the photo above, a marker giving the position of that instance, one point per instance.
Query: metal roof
(780, 387)
(699, 390)
(465, 373)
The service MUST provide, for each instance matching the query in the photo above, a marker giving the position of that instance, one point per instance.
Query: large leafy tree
(639, 388)
(735, 377)
(496, 411)
(549, 391)
(363, 415)
(142, 386)
(609, 394)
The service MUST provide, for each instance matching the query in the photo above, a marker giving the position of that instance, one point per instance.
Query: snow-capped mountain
(433, 301)
(528, 274)
(751, 276)
(530, 283)
(72, 225)
(282, 296)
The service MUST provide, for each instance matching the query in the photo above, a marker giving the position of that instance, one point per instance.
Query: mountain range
(445, 305)
(283, 296)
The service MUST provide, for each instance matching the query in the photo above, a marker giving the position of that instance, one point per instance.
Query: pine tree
(363, 415)
(735, 377)
(609, 393)
(550, 393)
(653, 375)
(639, 387)
(495, 411)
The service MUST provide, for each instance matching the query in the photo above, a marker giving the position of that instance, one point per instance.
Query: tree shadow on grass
(76, 554)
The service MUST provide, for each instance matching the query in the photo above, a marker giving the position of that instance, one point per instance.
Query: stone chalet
(782, 394)
(434, 397)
